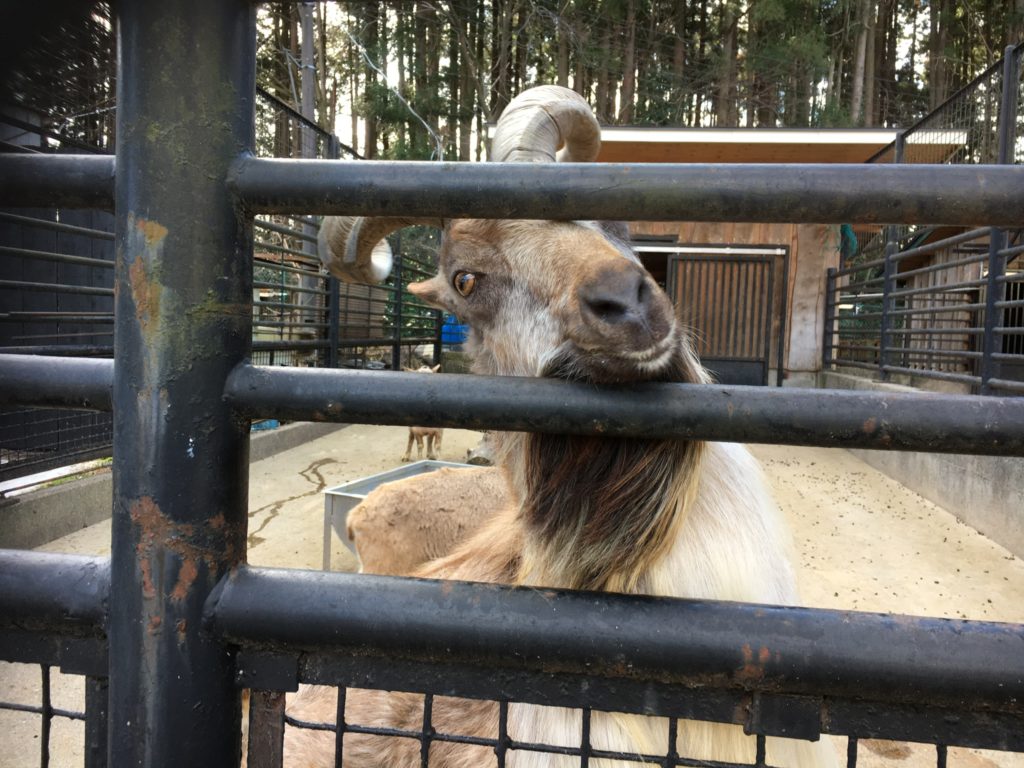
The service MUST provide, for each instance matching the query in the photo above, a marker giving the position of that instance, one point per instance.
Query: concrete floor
(864, 542)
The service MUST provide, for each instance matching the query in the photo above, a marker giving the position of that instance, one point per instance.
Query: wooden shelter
(731, 279)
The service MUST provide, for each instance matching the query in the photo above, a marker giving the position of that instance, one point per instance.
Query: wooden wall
(813, 248)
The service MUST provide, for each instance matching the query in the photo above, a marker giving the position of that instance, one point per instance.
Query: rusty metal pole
(183, 304)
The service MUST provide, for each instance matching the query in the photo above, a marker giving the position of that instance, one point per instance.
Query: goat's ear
(433, 292)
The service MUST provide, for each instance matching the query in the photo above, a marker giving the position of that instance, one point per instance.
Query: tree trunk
(371, 14)
(627, 94)
(678, 62)
(726, 96)
(562, 33)
(870, 67)
(603, 75)
(938, 68)
(859, 64)
(501, 55)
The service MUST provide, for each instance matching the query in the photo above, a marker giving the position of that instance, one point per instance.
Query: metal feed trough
(342, 499)
(177, 622)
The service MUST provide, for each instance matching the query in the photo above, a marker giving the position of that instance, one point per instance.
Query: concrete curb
(36, 518)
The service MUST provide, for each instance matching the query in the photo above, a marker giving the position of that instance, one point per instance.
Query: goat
(432, 435)
(402, 525)
(570, 300)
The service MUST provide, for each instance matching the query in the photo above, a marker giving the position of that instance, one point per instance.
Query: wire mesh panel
(56, 297)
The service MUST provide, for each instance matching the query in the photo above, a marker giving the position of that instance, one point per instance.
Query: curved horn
(540, 121)
(354, 249)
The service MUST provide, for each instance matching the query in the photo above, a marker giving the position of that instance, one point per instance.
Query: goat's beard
(600, 510)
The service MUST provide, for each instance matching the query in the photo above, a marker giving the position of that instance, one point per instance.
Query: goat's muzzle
(622, 309)
(625, 329)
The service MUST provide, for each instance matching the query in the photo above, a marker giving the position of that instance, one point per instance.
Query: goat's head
(543, 298)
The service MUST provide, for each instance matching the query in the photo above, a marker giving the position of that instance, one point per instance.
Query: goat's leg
(408, 448)
(419, 446)
(437, 443)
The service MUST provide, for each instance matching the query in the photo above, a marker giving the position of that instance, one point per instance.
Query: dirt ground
(864, 542)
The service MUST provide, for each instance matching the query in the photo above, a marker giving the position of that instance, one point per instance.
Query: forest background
(419, 79)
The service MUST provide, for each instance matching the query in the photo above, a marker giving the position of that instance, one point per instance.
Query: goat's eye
(464, 282)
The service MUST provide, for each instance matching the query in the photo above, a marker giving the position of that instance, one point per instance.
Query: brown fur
(402, 525)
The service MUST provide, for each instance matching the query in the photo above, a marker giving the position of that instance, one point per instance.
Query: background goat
(402, 525)
(432, 435)
(570, 300)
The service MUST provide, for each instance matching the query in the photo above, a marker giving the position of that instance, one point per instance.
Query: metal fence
(57, 276)
(179, 622)
(921, 304)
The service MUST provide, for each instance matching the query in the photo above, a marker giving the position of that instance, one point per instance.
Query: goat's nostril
(608, 310)
(616, 297)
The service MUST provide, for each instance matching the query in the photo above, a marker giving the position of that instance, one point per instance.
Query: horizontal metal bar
(844, 418)
(940, 290)
(715, 645)
(967, 331)
(386, 341)
(60, 350)
(932, 351)
(292, 288)
(56, 382)
(932, 310)
(62, 258)
(58, 226)
(861, 193)
(288, 344)
(925, 373)
(963, 195)
(294, 255)
(860, 267)
(1008, 385)
(43, 181)
(57, 317)
(87, 290)
(979, 258)
(841, 362)
(283, 230)
(929, 248)
(42, 591)
(1015, 250)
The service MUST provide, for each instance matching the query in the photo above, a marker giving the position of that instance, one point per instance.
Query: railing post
(438, 329)
(830, 319)
(888, 279)
(184, 321)
(333, 320)
(396, 350)
(998, 239)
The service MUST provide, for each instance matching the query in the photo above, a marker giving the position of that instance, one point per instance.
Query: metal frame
(187, 622)
(890, 350)
(305, 317)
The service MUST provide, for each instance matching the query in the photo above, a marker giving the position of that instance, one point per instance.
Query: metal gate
(180, 622)
(733, 297)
